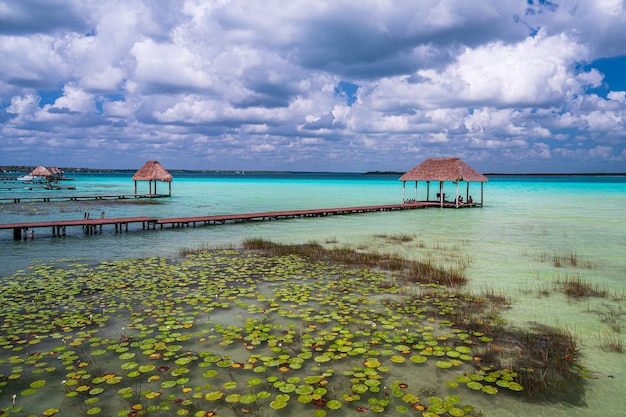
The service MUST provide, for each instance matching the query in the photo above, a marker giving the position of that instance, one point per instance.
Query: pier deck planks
(91, 226)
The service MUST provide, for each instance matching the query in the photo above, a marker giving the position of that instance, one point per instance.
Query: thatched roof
(152, 171)
(55, 171)
(443, 169)
(41, 171)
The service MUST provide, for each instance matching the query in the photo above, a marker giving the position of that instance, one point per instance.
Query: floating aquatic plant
(244, 331)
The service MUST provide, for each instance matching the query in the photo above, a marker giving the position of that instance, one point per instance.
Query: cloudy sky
(314, 85)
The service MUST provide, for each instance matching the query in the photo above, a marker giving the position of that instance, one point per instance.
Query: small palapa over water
(153, 171)
(445, 169)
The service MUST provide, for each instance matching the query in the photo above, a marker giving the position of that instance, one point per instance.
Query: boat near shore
(30, 179)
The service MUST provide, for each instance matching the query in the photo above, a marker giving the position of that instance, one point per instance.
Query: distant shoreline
(23, 168)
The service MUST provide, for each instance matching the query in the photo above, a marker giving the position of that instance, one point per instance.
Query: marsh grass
(544, 289)
(195, 250)
(611, 342)
(616, 295)
(545, 359)
(566, 259)
(542, 359)
(399, 238)
(413, 271)
(495, 297)
(576, 287)
(610, 315)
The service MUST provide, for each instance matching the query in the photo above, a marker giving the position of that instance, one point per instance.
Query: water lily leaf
(334, 404)
(277, 405)
(475, 385)
(214, 395)
(38, 384)
(490, 389)
(233, 398)
(248, 398)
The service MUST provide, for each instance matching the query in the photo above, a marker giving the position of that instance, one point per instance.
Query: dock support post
(17, 234)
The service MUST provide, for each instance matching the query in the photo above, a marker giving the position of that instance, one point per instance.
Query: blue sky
(509, 86)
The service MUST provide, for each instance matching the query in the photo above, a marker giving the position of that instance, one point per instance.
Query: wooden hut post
(403, 191)
(481, 193)
(441, 193)
(416, 191)
(427, 190)
(456, 200)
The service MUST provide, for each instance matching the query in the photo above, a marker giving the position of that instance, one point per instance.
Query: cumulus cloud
(313, 85)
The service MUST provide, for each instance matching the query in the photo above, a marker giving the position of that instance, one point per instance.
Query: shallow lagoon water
(509, 244)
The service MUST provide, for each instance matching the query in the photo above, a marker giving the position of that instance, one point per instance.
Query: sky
(509, 86)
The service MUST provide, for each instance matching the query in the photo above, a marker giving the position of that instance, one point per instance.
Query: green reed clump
(428, 272)
(400, 238)
(566, 259)
(544, 359)
(611, 315)
(414, 271)
(576, 287)
(193, 250)
(611, 342)
(472, 312)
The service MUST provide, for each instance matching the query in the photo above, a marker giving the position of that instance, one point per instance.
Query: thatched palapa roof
(41, 171)
(443, 169)
(152, 171)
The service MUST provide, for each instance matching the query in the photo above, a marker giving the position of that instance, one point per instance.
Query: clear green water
(510, 245)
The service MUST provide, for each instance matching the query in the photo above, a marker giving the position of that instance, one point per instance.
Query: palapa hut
(442, 170)
(55, 173)
(153, 171)
(41, 171)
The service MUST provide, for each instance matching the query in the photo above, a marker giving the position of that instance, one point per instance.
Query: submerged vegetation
(274, 330)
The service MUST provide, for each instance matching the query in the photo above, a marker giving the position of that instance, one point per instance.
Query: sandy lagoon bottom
(235, 333)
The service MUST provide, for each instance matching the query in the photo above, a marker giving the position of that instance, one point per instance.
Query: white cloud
(436, 77)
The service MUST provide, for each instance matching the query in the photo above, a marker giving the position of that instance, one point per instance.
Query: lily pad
(475, 385)
(38, 384)
(214, 395)
(334, 404)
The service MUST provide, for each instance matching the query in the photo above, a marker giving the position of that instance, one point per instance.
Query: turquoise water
(509, 245)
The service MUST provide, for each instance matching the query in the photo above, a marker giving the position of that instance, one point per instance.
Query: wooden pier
(25, 230)
(48, 198)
